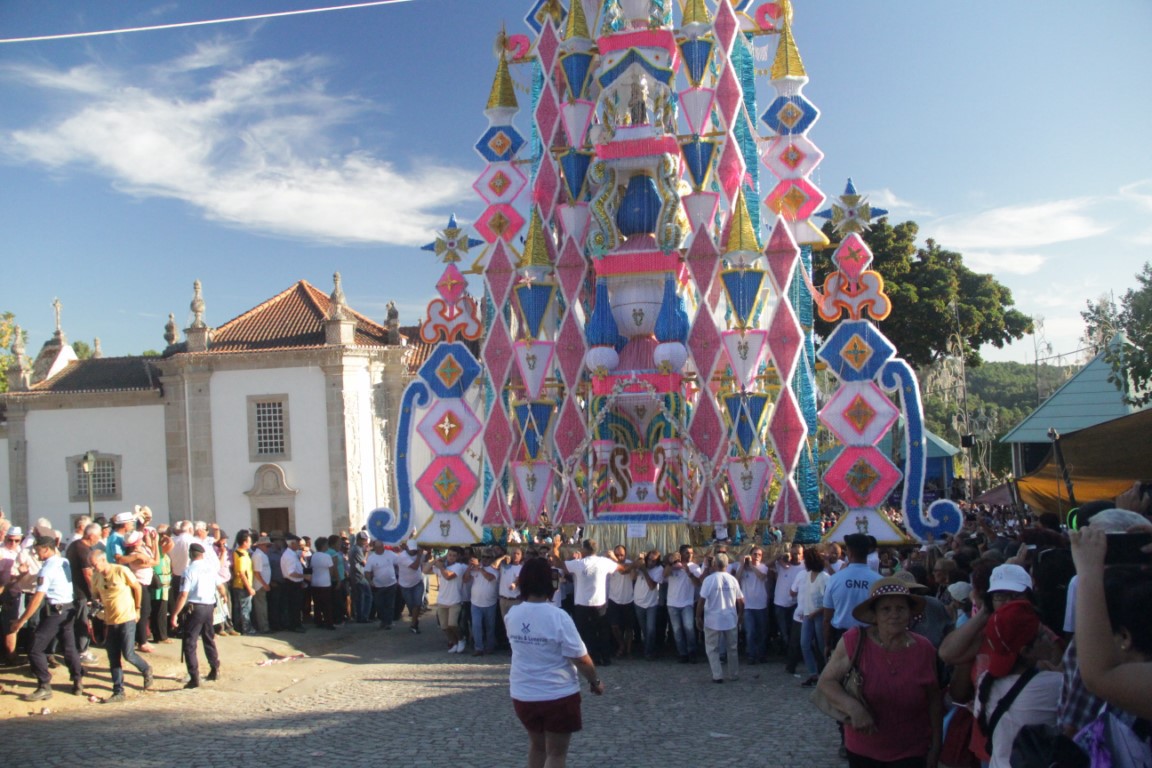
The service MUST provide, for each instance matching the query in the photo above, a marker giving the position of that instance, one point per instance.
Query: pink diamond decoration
(447, 484)
(729, 95)
(791, 157)
(782, 254)
(547, 114)
(570, 511)
(862, 476)
(546, 46)
(703, 259)
(499, 222)
(546, 186)
(499, 274)
(726, 25)
(449, 427)
(707, 431)
(795, 199)
(571, 269)
(451, 285)
(570, 348)
(852, 257)
(498, 353)
(500, 183)
(497, 437)
(570, 429)
(731, 169)
(709, 508)
(789, 509)
(704, 344)
(859, 413)
(784, 337)
(787, 430)
(495, 513)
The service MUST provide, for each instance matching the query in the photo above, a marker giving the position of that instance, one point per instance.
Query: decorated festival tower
(643, 331)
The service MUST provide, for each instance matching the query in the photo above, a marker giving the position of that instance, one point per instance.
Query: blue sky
(250, 155)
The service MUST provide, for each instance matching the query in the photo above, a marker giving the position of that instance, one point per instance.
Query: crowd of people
(944, 653)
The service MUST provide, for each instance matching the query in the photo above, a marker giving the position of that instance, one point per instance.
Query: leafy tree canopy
(1131, 362)
(923, 282)
(82, 349)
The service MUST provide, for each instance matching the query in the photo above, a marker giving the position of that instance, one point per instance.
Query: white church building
(282, 418)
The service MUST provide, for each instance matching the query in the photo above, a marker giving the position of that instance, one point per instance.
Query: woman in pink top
(899, 724)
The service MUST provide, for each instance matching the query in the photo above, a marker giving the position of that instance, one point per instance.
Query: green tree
(7, 333)
(82, 350)
(933, 296)
(1131, 362)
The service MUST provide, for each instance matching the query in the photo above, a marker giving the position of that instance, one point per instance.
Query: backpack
(1113, 740)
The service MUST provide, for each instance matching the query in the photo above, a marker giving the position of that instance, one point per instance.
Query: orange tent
(1103, 461)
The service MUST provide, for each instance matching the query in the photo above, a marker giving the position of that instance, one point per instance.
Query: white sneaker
(460, 646)
(454, 649)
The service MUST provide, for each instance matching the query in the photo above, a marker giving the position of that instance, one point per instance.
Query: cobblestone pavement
(365, 697)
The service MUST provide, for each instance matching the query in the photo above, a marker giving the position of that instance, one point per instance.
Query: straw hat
(890, 587)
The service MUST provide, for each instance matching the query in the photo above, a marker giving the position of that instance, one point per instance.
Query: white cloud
(247, 146)
(897, 207)
(1020, 226)
(1000, 262)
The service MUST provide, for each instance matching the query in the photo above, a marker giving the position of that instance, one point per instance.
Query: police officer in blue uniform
(53, 586)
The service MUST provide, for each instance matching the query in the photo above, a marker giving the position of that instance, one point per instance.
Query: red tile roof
(291, 319)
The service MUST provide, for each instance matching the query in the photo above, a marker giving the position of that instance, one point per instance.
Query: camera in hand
(1127, 548)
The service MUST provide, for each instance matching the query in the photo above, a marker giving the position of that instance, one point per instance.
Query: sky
(253, 154)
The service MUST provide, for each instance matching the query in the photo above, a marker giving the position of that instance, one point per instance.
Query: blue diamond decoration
(537, 17)
(856, 351)
(450, 370)
(500, 143)
(790, 115)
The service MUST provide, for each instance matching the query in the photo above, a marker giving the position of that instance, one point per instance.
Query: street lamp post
(88, 467)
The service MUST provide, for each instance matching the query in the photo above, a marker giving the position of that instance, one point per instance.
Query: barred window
(105, 478)
(268, 431)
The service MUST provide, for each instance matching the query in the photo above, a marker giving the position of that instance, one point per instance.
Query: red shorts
(555, 716)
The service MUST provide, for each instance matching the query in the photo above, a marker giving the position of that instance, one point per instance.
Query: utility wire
(205, 22)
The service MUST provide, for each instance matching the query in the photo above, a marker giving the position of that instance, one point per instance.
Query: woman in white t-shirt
(547, 656)
(810, 604)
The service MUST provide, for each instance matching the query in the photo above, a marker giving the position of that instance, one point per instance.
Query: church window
(268, 432)
(104, 476)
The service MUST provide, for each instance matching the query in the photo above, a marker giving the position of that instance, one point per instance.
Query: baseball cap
(1009, 578)
(413, 545)
(194, 548)
(362, 536)
(960, 591)
(1010, 630)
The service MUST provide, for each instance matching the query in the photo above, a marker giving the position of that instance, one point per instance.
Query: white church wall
(134, 433)
(362, 427)
(306, 469)
(5, 480)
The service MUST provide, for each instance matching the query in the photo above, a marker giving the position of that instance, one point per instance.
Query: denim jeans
(683, 621)
(361, 602)
(484, 620)
(120, 644)
(784, 620)
(646, 618)
(241, 610)
(756, 634)
(414, 600)
(812, 642)
(385, 601)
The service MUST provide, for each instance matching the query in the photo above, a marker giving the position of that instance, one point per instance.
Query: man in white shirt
(292, 569)
(787, 568)
(649, 572)
(683, 577)
(380, 570)
(509, 565)
(323, 577)
(262, 581)
(485, 581)
(621, 612)
(450, 594)
(719, 609)
(182, 537)
(590, 612)
(410, 577)
(753, 577)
